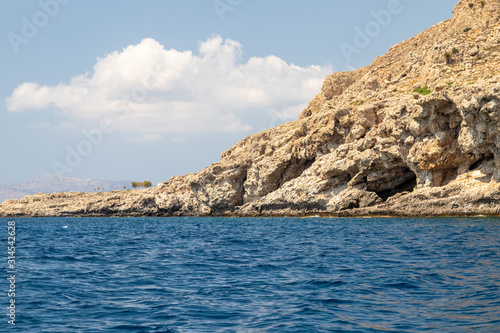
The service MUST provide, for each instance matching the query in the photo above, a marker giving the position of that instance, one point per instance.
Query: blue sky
(148, 90)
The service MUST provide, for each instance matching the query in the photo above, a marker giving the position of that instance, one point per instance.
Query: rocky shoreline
(416, 133)
(481, 198)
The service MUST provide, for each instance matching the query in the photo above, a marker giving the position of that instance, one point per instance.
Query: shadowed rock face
(367, 144)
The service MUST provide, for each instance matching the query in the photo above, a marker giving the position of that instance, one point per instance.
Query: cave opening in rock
(294, 169)
(408, 184)
(449, 175)
(241, 189)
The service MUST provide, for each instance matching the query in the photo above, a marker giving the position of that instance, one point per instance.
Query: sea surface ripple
(255, 275)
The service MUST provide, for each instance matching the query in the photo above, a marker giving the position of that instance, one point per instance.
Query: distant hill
(55, 183)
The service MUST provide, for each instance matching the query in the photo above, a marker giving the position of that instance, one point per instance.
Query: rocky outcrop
(416, 133)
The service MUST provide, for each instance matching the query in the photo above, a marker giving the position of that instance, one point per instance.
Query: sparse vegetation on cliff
(423, 91)
(145, 184)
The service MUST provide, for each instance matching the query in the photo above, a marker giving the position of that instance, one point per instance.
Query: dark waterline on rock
(256, 275)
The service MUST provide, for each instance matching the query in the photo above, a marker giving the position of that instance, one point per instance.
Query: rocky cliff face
(367, 144)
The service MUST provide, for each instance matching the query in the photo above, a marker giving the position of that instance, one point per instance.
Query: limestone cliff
(367, 144)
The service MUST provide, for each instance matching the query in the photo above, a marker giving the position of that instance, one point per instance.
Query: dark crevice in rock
(294, 169)
(220, 208)
(488, 201)
(408, 184)
(475, 165)
(449, 175)
(241, 189)
(171, 210)
(351, 205)
(308, 163)
(480, 161)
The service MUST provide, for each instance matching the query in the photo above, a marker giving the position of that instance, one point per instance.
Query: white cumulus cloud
(148, 89)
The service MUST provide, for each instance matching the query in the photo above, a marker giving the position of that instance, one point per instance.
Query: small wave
(291, 275)
(402, 285)
(323, 283)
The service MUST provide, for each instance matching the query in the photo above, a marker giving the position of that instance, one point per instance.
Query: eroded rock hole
(241, 189)
(449, 175)
(294, 170)
(408, 184)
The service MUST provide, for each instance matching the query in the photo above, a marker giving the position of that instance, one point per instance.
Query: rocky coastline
(416, 133)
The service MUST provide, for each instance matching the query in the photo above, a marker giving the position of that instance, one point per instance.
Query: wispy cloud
(158, 91)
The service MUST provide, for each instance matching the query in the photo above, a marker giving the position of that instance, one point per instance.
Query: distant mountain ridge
(56, 183)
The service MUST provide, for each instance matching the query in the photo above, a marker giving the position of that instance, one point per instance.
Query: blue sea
(253, 275)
